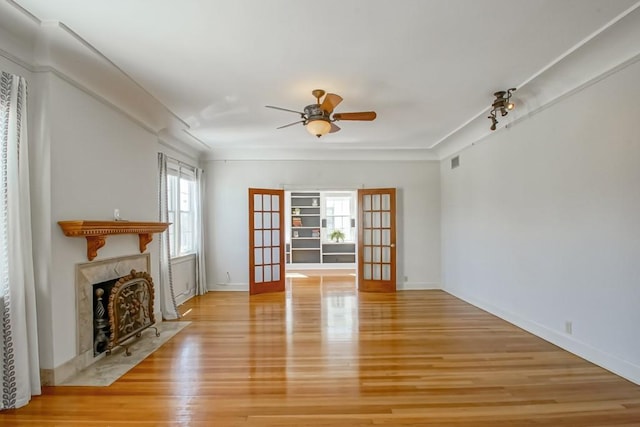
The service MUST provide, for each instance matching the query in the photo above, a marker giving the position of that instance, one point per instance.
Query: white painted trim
(607, 361)
(64, 77)
(198, 140)
(50, 69)
(581, 43)
(175, 148)
(326, 153)
(185, 296)
(19, 62)
(409, 286)
(178, 143)
(67, 79)
(460, 148)
(183, 258)
(64, 27)
(102, 56)
(235, 287)
(418, 286)
(569, 93)
(557, 60)
(25, 12)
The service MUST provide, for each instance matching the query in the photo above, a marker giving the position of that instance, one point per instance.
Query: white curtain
(19, 362)
(167, 295)
(201, 276)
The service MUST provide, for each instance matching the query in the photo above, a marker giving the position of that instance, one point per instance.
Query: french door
(377, 240)
(266, 241)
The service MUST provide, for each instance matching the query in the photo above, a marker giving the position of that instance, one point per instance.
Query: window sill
(184, 257)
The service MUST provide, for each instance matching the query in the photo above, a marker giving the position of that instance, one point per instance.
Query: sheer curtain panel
(201, 276)
(19, 362)
(167, 295)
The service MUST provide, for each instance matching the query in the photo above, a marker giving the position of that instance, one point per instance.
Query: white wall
(87, 157)
(100, 160)
(418, 209)
(541, 223)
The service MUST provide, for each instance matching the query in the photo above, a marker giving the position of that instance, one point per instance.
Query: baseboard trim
(407, 286)
(610, 362)
(59, 374)
(235, 287)
(418, 286)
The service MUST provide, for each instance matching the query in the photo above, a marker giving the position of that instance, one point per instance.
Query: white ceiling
(427, 67)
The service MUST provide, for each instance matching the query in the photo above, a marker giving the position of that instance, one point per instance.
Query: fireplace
(130, 311)
(87, 274)
(96, 233)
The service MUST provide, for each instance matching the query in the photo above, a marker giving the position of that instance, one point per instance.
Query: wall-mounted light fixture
(501, 104)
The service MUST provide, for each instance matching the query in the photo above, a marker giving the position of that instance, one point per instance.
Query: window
(338, 211)
(181, 189)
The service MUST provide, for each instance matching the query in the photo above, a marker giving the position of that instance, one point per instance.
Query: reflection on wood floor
(322, 354)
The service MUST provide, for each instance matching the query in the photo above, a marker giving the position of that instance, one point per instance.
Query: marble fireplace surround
(88, 274)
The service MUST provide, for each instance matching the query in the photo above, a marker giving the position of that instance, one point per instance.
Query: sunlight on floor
(295, 276)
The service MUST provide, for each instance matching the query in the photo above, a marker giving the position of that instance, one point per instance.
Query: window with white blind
(181, 189)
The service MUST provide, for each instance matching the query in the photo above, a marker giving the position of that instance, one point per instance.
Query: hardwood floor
(322, 354)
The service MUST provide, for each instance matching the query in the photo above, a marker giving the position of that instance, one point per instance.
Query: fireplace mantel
(96, 232)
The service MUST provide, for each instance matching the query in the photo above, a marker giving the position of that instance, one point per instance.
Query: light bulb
(511, 106)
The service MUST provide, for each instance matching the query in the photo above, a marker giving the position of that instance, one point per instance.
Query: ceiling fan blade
(330, 102)
(363, 115)
(284, 109)
(334, 128)
(291, 124)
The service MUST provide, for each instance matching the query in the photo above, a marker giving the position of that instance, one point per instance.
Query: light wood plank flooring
(323, 355)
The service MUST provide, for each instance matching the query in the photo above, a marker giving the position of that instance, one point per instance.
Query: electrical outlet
(568, 327)
(116, 214)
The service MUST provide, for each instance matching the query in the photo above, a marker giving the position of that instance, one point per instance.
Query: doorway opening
(320, 233)
(311, 230)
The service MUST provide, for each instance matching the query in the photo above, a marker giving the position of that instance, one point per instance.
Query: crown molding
(599, 55)
(323, 154)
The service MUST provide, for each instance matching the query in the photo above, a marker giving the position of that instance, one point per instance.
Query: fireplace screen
(130, 309)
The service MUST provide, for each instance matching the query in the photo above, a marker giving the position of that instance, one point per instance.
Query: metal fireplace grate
(130, 309)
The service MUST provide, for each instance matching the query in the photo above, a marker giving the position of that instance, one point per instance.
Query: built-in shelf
(96, 232)
(305, 228)
(307, 246)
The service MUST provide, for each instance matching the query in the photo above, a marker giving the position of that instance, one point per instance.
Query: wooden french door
(266, 241)
(377, 240)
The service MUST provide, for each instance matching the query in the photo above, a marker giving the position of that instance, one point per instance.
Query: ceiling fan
(318, 118)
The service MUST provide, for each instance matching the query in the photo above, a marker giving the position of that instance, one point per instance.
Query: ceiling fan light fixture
(319, 118)
(318, 127)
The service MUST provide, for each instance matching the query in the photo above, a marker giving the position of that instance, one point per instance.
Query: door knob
(393, 245)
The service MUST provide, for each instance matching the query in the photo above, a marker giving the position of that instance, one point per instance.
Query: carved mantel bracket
(96, 232)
